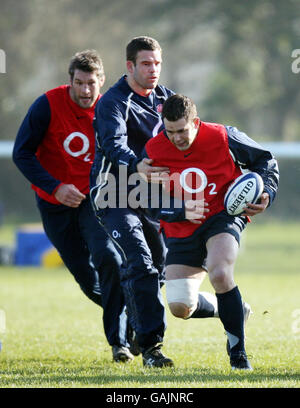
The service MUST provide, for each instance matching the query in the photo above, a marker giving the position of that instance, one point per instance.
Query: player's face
(85, 88)
(182, 133)
(144, 74)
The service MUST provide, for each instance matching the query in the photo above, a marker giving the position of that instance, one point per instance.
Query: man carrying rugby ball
(204, 159)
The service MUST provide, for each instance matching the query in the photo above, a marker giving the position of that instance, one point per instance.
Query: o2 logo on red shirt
(188, 173)
(85, 145)
(189, 186)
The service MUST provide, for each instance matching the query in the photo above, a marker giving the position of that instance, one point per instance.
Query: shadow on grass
(65, 374)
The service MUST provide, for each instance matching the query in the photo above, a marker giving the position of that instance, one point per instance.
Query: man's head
(86, 77)
(181, 122)
(143, 56)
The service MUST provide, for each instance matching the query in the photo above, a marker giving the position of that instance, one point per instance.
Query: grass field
(54, 335)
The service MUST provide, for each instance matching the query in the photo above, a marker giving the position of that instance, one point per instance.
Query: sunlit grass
(54, 335)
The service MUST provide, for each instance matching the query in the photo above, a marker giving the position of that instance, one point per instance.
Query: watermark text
(2, 62)
(296, 63)
(123, 190)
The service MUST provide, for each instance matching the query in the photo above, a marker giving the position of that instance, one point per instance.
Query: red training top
(205, 170)
(67, 149)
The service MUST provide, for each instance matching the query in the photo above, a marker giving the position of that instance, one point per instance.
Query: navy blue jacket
(124, 122)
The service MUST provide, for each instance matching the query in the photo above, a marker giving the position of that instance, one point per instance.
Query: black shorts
(192, 250)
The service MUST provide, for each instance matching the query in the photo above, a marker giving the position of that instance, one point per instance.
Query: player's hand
(195, 210)
(254, 209)
(152, 174)
(69, 195)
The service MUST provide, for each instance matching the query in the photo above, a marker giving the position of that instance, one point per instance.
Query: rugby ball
(245, 189)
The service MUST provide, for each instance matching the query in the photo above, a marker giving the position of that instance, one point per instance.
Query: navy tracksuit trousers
(91, 257)
(143, 253)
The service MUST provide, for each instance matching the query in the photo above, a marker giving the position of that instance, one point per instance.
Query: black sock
(204, 308)
(231, 313)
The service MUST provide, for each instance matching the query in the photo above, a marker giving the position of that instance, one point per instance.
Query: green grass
(54, 335)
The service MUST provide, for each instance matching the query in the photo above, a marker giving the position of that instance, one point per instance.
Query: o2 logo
(185, 180)
(115, 234)
(83, 150)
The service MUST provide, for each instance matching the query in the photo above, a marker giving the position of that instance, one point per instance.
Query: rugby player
(208, 239)
(126, 117)
(54, 149)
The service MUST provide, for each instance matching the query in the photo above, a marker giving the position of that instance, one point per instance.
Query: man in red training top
(204, 159)
(54, 150)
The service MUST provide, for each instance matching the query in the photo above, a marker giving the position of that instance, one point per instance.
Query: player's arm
(150, 173)
(162, 206)
(111, 134)
(158, 203)
(154, 174)
(249, 154)
(30, 135)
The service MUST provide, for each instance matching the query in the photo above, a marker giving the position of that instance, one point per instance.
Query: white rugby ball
(245, 189)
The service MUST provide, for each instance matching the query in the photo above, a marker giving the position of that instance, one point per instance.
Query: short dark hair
(140, 44)
(87, 61)
(179, 106)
